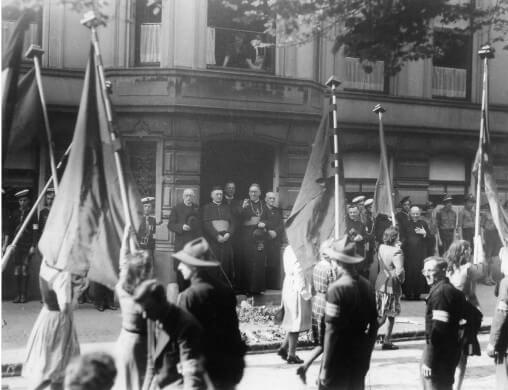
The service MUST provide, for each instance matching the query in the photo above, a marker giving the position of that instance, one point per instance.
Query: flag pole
(333, 83)
(35, 52)
(10, 249)
(379, 110)
(92, 20)
(486, 52)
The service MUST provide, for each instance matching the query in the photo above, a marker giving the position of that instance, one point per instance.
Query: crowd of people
(192, 338)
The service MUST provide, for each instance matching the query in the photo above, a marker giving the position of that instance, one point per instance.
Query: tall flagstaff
(333, 83)
(35, 52)
(486, 52)
(379, 110)
(92, 20)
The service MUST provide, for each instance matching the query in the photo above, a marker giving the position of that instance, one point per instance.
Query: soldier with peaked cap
(350, 322)
(219, 226)
(44, 213)
(465, 225)
(360, 202)
(147, 227)
(213, 303)
(402, 218)
(26, 245)
(446, 219)
(185, 222)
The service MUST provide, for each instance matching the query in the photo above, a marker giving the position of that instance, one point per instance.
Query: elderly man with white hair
(185, 222)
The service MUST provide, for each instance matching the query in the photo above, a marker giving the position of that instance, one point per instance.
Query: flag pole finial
(332, 82)
(378, 109)
(92, 19)
(486, 51)
(34, 51)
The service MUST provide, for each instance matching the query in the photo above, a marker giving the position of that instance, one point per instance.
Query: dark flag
(484, 155)
(11, 60)
(312, 219)
(84, 228)
(27, 119)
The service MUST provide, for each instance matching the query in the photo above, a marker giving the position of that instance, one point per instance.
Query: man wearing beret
(184, 221)
(219, 226)
(26, 245)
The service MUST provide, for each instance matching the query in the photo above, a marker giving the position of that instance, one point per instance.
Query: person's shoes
(300, 371)
(22, 298)
(389, 347)
(112, 306)
(294, 360)
(81, 300)
(283, 353)
(17, 299)
(100, 307)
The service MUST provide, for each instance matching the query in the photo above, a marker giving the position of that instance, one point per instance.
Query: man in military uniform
(184, 221)
(219, 226)
(465, 224)
(350, 322)
(446, 223)
(44, 213)
(444, 313)
(498, 342)
(357, 232)
(360, 202)
(402, 218)
(26, 245)
(276, 236)
(147, 227)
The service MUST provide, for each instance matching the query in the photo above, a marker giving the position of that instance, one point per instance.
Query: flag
(27, 120)
(383, 192)
(312, 219)
(484, 156)
(85, 225)
(11, 60)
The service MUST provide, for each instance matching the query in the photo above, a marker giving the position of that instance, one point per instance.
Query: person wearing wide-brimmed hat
(446, 223)
(351, 322)
(213, 303)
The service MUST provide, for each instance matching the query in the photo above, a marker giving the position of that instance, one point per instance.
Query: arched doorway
(243, 162)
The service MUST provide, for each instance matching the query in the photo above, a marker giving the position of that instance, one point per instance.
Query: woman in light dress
(388, 282)
(131, 346)
(296, 299)
(464, 275)
(53, 341)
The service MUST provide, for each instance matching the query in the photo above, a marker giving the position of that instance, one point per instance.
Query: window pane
(358, 78)
(416, 169)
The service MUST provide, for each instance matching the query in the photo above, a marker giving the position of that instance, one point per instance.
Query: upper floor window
(235, 44)
(10, 15)
(356, 77)
(148, 32)
(450, 69)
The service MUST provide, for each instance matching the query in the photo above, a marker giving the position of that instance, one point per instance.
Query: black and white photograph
(254, 194)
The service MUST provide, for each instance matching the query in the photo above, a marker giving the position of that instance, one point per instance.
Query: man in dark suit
(445, 309)
(276, 236)
(213, 303)
(402, 218)
(184, 221)
(350, 322)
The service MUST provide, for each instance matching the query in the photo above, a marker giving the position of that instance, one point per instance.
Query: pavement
(389, 370)
(99, 330)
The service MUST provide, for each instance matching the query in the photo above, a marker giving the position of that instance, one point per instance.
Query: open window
(451, 69)
(236, 44)
(148, 32)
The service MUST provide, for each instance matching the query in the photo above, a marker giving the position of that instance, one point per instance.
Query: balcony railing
(449, 82)
(149, 43)
(240, 49)
(357, 78)
(31, 35)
